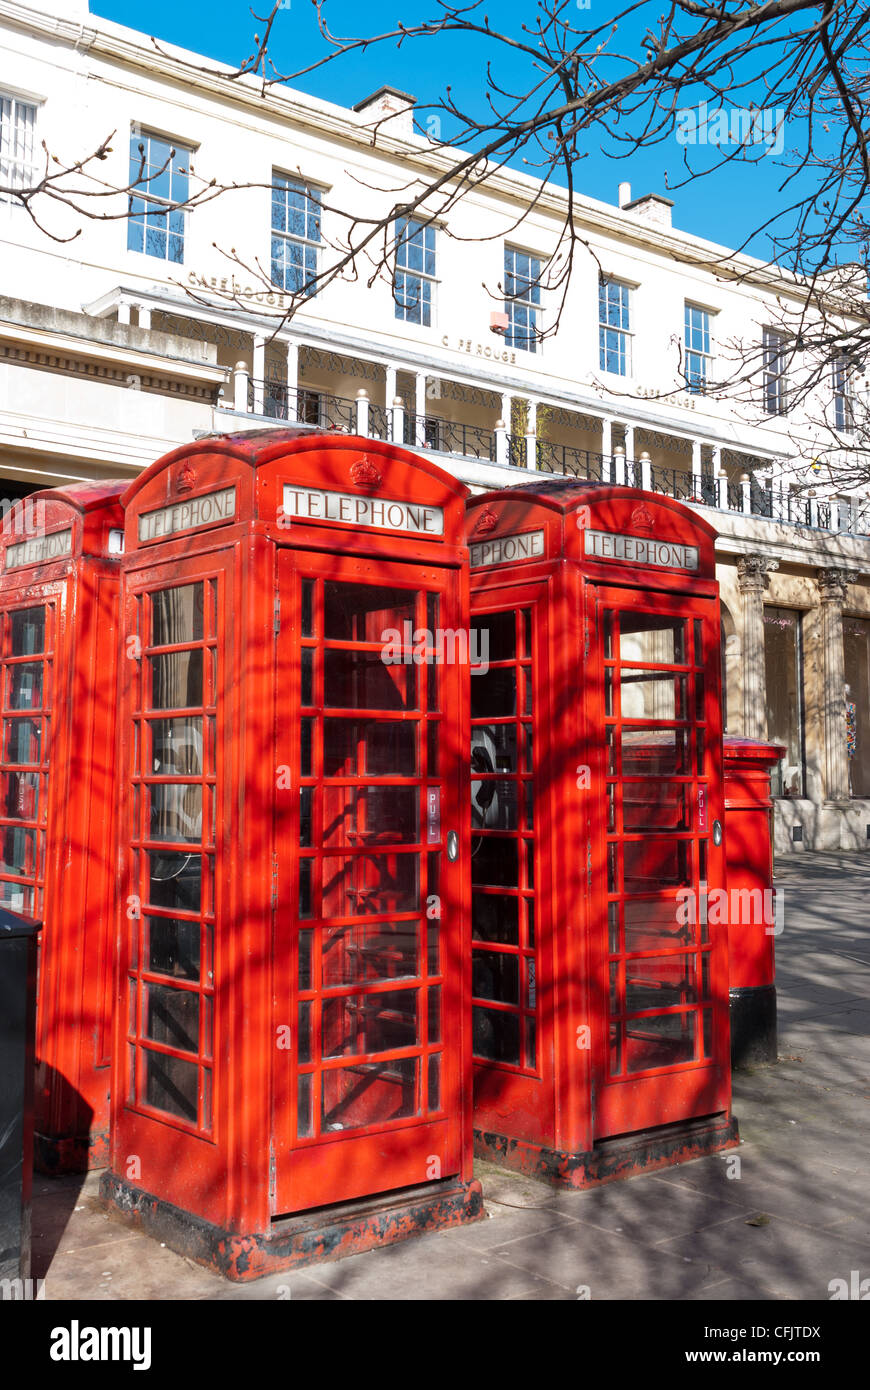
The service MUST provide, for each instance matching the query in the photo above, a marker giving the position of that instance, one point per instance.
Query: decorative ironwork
(670, 443)
(570, 419)
(570, 462)
(199, 332)
(449, 436)
(338, 363)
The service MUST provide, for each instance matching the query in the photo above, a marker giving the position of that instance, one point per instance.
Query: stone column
(291, 412)
(259, 374)
(832, 591)
(752, 572)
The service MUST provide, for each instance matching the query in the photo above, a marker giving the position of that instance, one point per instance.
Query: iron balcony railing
(449, 436)
(322, 410)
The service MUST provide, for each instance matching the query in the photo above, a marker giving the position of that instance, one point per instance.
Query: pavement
(794, 1218)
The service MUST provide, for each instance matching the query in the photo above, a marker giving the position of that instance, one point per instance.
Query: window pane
(784, 696)
(369, 885)
(173, 947)
(171, 1084)
(661, 1041)
(172, 1016)
(175, 880)
(377, 748)
(367, 952)
(176, 680)
(176, 747)
(27, 631)
(23, 740)
(495, 1035)
(177, 616)
(19, 795)
(659, 983)
(370, 1093)
(24, 690)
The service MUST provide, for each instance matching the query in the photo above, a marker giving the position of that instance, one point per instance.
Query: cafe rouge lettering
(488, 350)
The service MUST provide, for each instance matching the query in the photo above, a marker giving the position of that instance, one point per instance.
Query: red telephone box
(752, 905)
(600, 991)
(59, 612)
(292, 1012)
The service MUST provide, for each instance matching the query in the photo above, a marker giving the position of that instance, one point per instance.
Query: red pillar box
(600, 991)
(292, 1044)
(59, 614)
(754, 915)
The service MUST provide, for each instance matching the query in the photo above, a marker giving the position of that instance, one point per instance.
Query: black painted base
(312, 1237)
(753, 1025)
(623, 1157)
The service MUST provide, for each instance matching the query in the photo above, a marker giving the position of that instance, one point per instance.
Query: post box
(59, 584)
(754, 913)
(292, 1038)
(599, 988)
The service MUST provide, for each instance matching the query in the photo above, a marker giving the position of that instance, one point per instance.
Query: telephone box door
(661, 1054)
(370, 849)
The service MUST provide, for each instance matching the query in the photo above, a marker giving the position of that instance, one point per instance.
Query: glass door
(659, 964)
(366, 932)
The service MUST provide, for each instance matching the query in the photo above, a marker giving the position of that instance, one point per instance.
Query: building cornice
(308, 115)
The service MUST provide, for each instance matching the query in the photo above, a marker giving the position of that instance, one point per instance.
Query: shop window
(856, 705)
(783, 663)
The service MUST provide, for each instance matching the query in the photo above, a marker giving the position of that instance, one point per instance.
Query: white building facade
(123, 336)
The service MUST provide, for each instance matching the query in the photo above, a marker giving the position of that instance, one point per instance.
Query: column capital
(833, 583)
(752, 573)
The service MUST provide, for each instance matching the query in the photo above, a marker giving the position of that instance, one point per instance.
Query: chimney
(652, 208)
(624, 194)
(390, 110)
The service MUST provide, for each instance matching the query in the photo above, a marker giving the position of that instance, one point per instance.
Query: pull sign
(433, 815)
(717, 832)
(702, 808)
(452, 846)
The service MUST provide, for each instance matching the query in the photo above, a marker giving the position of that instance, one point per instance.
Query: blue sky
(724, 207)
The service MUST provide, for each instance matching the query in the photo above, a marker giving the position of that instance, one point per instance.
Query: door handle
(452, 845)
(717, 832)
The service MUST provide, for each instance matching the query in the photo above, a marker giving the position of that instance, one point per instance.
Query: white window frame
(312, 192)
(707, 357)
(155, 201)
(17, 147)
(844, 396)
(533, 339)
(403, 311)
(626, 335)
(775, 380)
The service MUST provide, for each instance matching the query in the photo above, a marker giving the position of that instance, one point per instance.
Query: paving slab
(795, 1218)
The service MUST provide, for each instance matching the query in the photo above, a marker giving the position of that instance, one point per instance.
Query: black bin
(17, 1033)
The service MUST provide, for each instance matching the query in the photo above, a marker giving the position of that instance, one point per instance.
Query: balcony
(451, 439)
